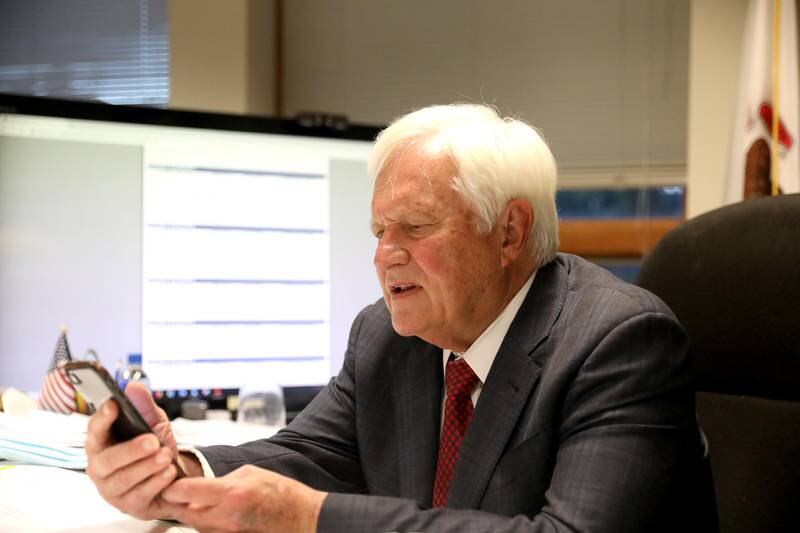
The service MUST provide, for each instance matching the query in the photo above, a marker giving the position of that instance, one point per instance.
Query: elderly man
(498, 386)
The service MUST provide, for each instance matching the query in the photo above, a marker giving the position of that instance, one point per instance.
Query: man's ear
(516, 221)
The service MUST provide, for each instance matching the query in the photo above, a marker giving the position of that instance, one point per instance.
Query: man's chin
(403, 327)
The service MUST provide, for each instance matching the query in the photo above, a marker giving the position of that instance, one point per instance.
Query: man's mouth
(400, 288)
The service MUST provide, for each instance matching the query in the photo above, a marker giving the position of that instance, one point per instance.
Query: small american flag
(57, 393)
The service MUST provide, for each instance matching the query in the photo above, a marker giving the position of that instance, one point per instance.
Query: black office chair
(732, 276)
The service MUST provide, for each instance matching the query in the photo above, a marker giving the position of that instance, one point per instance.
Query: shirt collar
(481, 354)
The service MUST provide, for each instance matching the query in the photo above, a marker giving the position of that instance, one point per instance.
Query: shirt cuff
(207, 472)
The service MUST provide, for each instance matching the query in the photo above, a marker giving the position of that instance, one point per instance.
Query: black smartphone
(96, 385)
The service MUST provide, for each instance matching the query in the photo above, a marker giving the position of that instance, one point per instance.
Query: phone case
(94, 382)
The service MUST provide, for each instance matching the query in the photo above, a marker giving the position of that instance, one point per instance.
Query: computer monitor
(224, 249)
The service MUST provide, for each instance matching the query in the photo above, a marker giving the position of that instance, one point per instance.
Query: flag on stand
(57, 393)
(764, 153)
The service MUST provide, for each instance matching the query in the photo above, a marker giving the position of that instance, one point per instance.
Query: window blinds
(114, 51)
(605, 82)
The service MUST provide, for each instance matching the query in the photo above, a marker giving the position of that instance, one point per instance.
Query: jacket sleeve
(319, 447)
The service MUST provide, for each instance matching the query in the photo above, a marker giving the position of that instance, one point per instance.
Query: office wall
(609, 97)
(70, 243)
(222, 55)
(715, 51)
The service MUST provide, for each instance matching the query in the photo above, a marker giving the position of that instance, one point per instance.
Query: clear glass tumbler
(263, 404)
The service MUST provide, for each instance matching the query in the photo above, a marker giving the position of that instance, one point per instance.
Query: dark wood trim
(278, 59)
(613, 237)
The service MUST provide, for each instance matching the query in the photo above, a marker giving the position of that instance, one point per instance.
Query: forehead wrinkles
(415, 161)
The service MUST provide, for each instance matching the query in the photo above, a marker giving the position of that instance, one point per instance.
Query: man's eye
(378, 234)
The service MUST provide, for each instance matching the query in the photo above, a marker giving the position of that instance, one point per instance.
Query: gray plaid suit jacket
(585, 423)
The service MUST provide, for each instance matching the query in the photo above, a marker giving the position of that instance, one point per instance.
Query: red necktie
(460, 380)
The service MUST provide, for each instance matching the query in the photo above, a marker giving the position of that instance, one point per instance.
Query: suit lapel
(510, 382)
(419, 397)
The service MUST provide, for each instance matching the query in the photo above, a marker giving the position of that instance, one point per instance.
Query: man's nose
(391, 249)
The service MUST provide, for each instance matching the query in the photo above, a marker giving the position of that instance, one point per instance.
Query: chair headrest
(732, 277)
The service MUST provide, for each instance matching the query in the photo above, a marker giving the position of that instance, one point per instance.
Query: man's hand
(131, 475)
(247, 499)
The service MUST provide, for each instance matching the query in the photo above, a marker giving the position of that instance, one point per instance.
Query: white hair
(498, 159)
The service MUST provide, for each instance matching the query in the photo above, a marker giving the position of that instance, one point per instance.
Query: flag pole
(776, 42)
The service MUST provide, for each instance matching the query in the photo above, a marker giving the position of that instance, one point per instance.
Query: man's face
(441, 279)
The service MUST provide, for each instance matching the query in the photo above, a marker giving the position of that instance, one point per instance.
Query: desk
(39, 499)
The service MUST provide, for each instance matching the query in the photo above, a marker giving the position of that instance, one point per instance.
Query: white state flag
(750, 156)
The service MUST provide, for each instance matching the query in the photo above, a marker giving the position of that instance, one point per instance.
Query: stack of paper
(44, 438)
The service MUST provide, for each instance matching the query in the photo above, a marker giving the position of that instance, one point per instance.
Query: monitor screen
(222, 248)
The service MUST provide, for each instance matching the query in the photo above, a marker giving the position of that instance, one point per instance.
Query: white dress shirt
(481, 354)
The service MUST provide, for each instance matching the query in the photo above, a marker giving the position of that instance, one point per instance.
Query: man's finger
(155, 417)
(134, 474)
(98, 432)
(141, 398)
(102, 465)
(198, 491)
(143, 498)
(201, 518)
(171, 510)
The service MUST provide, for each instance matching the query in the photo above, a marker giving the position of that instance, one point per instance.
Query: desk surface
(38, 499)
(48, 499)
